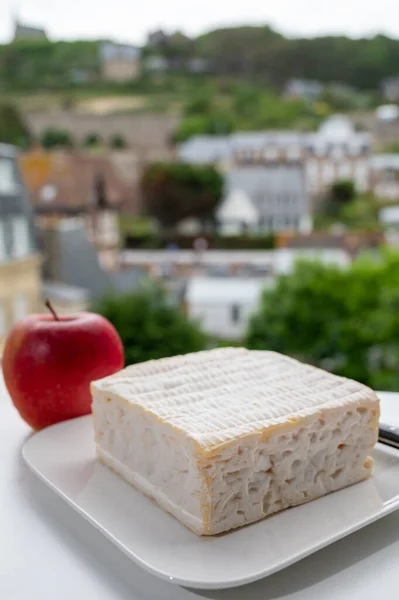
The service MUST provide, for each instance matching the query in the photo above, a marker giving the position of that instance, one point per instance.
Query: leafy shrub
(92, 140)
(344, 320)
(56, 138)
(13, 129)
(118, 142)
(149, 326)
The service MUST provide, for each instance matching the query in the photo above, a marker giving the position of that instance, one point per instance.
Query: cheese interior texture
(226, 437)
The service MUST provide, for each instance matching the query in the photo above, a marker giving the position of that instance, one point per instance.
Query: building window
(20, 307)
(312, 171)
(20, 233)
(8, 184)
(235, 313)
(345, 170)
(294, 153)
(328, 172)
(271, 153)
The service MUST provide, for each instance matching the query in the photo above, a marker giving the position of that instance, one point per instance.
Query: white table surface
(48, 551)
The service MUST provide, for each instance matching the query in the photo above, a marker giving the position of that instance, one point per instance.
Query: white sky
(129, 21)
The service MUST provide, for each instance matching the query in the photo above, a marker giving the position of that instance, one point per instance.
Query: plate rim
(389, 507)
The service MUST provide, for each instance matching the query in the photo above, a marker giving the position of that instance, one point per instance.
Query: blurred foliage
(345, 206)
(139, 231)
(140, 237)
(56, 138)
(92, 140)
(258, 54)
(362, 213)
(244, 106)
(392, 148)
(340, 97)
(149, 326)
(176, 191)
(118, 142)
(214, 124)
(13, 129)
(44, 64)
(343, 320)
(341, 193)
(138, 225)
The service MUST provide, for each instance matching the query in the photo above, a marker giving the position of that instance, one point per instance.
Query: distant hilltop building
(390, 89)
(304, 89)
(28, 33)
(157, 38)
(119, 62)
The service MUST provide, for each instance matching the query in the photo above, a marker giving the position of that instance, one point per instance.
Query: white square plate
(63, 456)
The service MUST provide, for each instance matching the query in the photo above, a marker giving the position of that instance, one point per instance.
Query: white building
(335, 152)
(387, 112)
(390, 216)
(385, 176)
(120, 62)
(265, 198)
(285, 259)
(237, 213)
(390, 89)
(305, 89)
(223, 306)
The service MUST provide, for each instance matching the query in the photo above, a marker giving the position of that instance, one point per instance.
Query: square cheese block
(225, 437)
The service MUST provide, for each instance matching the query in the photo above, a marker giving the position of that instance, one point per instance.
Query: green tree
(362, 212)
(149, 326)
(340, 194)
(200, 104)
(56, 138)
(175, 191)
(216, 123)
(344, 320)
(92, 140)
(118, 142)
(13, 129)
(343, 191)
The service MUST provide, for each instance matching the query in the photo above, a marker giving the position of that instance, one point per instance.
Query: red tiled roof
(65, 182)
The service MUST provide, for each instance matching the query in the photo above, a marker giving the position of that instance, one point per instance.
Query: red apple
(49, 362)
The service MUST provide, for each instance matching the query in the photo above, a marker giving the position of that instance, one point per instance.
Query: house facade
(276, 193)
(119, 62)
(27, 33)
(304, 89)
(385, 176)
(335, 152)
(390, 89)
(223, 306)
(237, 213)
(81, 190)
(20, 263)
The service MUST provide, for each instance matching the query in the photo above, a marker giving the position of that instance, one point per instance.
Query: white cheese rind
(258, 433)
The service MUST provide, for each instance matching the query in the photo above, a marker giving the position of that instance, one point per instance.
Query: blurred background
(206, 175)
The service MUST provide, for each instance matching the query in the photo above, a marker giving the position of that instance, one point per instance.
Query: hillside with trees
(48, 65)
(263, 54)
(255, 53)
